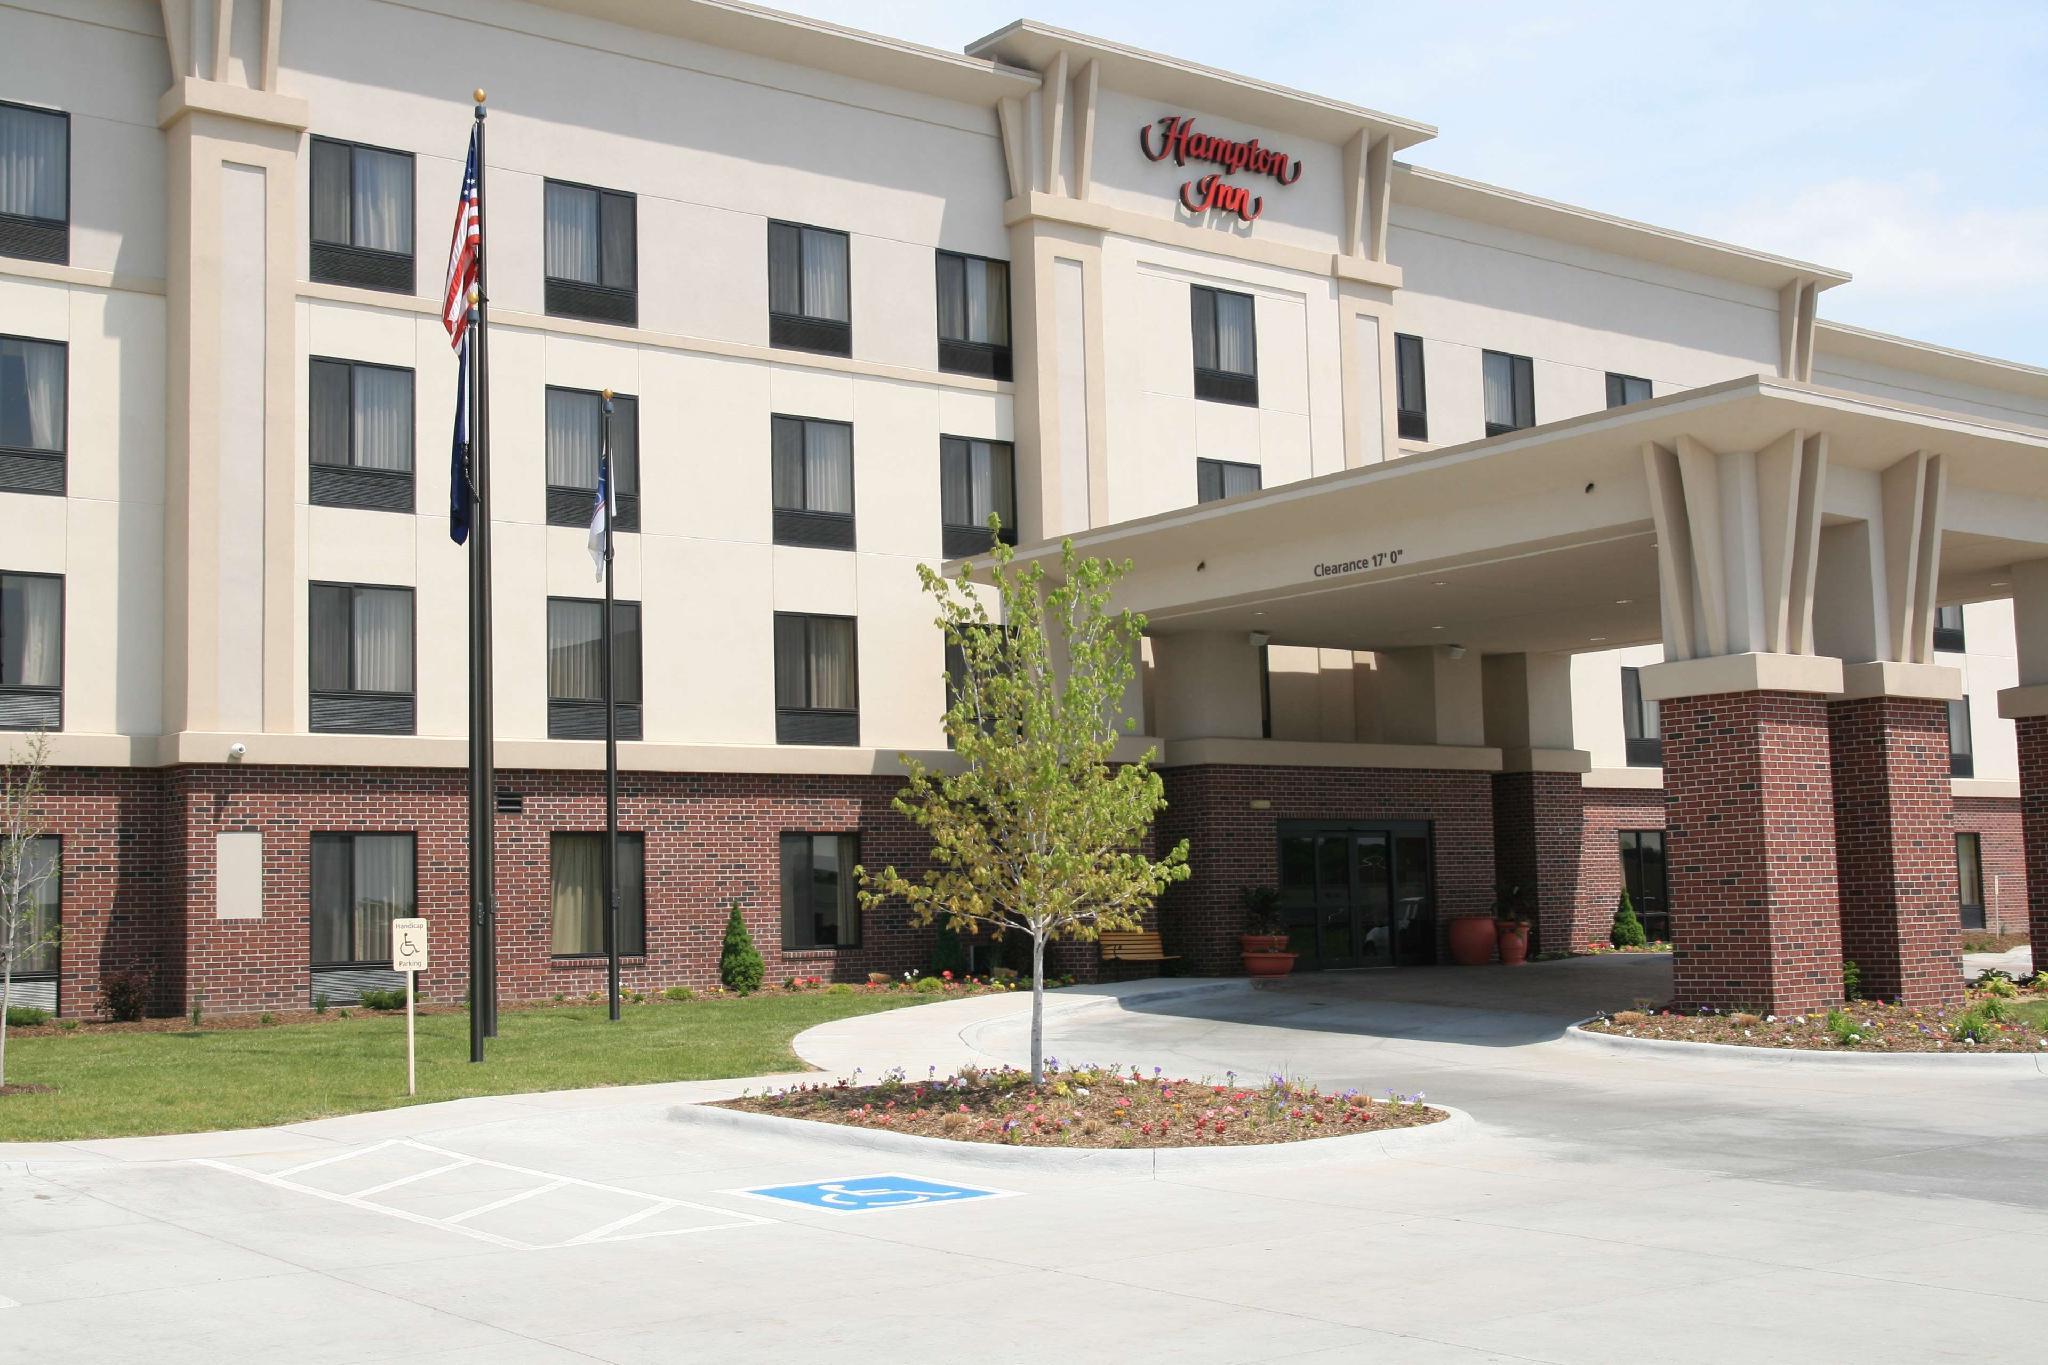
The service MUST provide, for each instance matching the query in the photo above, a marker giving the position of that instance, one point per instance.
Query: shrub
(839, 988)
(1630, 1018)
(1844, 1029)
(1852, 981)
(1628, 930)
(26, 1016)
(1997, 985)
(198, 1010)
(930, 984)
(266, 1018)
(679, 993)
(320, 1003)
(124, 992)
(67, 1024)
(739, 962)
(1975, 1025)
(381, 1000)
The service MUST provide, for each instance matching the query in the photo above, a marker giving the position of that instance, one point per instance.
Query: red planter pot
(1512, 938)
(1471, 940)
(1262, 943)
(1268, 964)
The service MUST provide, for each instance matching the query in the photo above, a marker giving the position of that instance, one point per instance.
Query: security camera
(1259, 639)
(1456, 651)
(238, 751)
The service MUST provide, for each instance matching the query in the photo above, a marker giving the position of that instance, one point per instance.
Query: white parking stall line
(408, 1179)
(599, 1234)
(509, 1199)
(288, 1173)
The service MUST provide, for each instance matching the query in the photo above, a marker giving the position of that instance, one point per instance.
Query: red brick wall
(1751, 823)
(2033, 745)
(1895, 848)
(116, 874)
(1538, 845)
(1608, 811)
(1996, 822)
(1232, 846)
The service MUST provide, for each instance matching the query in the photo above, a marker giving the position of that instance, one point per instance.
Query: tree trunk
(1038, 1008)
(6, 1001)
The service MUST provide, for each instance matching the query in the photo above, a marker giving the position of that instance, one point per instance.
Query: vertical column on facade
(1538, 796)
(2027, 707)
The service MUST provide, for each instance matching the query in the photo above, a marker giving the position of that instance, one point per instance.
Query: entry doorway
(1357, 895)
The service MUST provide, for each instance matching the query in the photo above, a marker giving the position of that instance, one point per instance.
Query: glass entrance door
(1357, 895)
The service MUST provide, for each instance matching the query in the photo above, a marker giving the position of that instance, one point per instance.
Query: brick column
(1750, 844)
(1538, 837)
(1895, 848)
(2033, 743)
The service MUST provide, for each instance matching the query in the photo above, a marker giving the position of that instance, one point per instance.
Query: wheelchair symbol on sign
(835, 1194)
(867, 1193)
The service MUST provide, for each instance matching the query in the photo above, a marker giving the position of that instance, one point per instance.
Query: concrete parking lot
(1609, 1209)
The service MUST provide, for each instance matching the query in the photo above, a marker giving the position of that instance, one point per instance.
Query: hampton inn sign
(1179, 140)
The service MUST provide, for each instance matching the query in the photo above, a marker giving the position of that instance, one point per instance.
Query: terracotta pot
(1268, 964)
(1262, 943)
(1471, 940)
(1512, 937)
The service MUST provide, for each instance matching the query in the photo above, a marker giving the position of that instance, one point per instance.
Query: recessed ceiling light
(1623, 601)
(1441, 583)
(2000, 583)
(1596, 639)
(1436, 627)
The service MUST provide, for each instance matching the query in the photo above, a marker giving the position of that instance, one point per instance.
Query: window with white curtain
(1226, 346)
(811, 482)
(45, 909)
(576, 650)
(1510, 392)
(31, 631)
(976, 479)
(33, 413)
(576, 869)
(359, 418)
(590, 240)
(815, 664)
(574, 436)
(819, 906)
(361, 882)
(809, 289)
(362, 638)
(1217, 479)
(974, 315)
(35, 183)
(362, 204)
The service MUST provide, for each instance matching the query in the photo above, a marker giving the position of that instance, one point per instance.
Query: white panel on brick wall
(238, 875)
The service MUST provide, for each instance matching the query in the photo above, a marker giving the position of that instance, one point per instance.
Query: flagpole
(607, 476)
(482, 779)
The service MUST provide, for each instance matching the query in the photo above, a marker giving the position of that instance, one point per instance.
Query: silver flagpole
(608, 476)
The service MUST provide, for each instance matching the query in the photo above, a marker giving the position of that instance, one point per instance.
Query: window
(1265, 691)
(1510, 392)
(35, 184)
(362, 660)
(1642, 872)
(1623, 389)
(976, 479)
(812, 473)
(44, 917)
(1411, 393)
(575, 435)
(1948, 629)
(1223, 479)
(1962, 758)
(576, 668)
(974, 315)
(361, 882)
(817, 696)
(34, 401)
(1645, 741)
(1970, 879)
(809, 289)
(360, 434)
(1226, 347)
(819, 909)
(589, 258)
(956, 674)
(362, 216)
(31, 651)
(576, 863)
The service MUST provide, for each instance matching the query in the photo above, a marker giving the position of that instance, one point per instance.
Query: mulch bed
(1860, 1026)
(1977, 941)
(1088, 1106)
(24, 1089)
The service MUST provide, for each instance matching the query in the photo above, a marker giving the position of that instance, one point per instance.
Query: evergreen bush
(1628, 930)
(739, 962)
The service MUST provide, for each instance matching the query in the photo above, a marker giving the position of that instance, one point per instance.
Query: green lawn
(2034, 1012)
(125, 1084)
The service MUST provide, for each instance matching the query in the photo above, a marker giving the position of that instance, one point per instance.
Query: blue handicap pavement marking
(862, 1193)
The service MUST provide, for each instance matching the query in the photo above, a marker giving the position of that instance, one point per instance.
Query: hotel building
(1488, 542)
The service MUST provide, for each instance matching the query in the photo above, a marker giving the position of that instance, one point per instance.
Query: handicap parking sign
(865, 1193)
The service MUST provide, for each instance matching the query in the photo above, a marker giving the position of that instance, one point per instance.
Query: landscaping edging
(1152, 1161)
(2017, 1062)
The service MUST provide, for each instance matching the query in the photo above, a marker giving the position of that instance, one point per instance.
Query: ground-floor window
(361, 882)
(1970, 878)
(35, 972)
(819, 906)
(1642, 872)
(577, 861)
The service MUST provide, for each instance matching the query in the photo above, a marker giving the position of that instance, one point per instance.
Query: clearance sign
(1178, 139)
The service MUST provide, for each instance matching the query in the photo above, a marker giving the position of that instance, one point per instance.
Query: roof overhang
(1541, 540)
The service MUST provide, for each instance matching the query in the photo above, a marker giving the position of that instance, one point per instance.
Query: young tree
(24, 870)
(1039, 832)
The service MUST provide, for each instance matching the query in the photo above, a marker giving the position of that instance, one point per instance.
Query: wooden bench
(1134, 945)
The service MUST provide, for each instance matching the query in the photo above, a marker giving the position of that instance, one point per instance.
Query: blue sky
(1904, 143)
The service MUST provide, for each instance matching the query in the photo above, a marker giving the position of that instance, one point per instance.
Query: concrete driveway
(1612, 1209)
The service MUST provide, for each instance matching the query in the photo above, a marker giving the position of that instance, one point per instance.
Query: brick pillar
(1895, 848)
(1750, 844)
(2033, 744)
(1538, 836)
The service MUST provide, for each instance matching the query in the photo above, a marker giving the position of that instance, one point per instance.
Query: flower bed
(1092, 1106)
(2013, 1022)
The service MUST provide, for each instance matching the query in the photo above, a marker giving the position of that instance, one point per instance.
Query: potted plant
(1471, 939)
(1263, 944)
(1511, 921)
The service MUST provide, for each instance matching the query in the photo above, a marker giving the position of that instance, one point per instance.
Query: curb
(1134, 1161)
(2009, 1062)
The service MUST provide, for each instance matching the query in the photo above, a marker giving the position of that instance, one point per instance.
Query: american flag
(464, 251)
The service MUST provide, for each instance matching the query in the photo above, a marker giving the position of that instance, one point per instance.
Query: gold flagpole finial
(472, 296)
(479, 95)
(607, 395)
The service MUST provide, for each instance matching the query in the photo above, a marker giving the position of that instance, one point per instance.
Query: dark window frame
(961, 355)
(37, 470)
(56, 947)
(1641, 723)
(1617, 389)
(356, 486)
(806, 527)
(1971, 912)
(627, 948)
(346, 263)
(1240, 388)
(794, 941)
(571, 505)
(1522, 384)
(338, 699)
(1205, 466)
(312, 892)
(1949, 635)
(960, 539)
(592, 300)
(811, 724)
(583, 717)
(1412, 422)
(25, 237)
(806, 331)
(1656, 918)
(24, 696)
(1962, 758)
